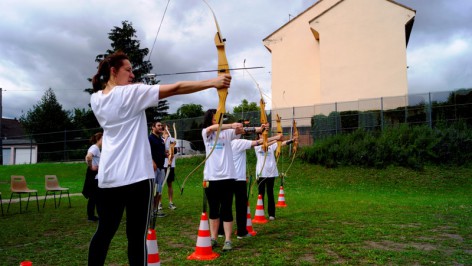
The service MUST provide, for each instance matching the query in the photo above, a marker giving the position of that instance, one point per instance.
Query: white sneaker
(159, 208)
(271, 218)
(172, 206)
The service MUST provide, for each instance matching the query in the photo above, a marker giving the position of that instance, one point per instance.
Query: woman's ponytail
(102, 76)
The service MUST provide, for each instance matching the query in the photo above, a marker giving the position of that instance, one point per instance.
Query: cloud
(53, 44)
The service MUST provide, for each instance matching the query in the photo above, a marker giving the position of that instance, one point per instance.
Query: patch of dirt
(339, 260)
(394, 246)
(454, 236)
(307, 257)
(411, 225)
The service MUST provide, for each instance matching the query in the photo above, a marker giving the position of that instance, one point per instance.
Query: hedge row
(403, 145)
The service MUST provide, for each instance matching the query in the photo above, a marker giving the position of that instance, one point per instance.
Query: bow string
(223, 68)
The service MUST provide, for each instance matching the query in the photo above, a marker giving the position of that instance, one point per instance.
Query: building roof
(408, 27)
(11, 128)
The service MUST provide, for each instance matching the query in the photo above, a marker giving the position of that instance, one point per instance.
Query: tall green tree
(44, 122)
(157, 113)
(84, 119)
(246, 106)
(190, 110)
(248, 111)
(124, 39)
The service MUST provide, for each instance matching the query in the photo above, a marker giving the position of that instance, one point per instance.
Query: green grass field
(346, 216)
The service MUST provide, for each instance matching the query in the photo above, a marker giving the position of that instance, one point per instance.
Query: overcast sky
(53, 44)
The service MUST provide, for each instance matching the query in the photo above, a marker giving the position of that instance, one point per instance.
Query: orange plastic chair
(19, 186)
(52, 186)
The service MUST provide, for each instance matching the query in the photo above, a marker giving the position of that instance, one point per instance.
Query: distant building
(341, 50)
(17, 148)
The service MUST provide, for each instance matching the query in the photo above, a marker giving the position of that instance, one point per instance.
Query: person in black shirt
(158, 153)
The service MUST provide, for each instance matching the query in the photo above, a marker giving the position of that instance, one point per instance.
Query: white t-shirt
(126, 154)
(95, 151)
(270, 166)
(220, 165)
(239, 147)
(166, 162)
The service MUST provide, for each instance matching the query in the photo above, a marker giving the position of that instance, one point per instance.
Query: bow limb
(223, 68)
(295, 143)
(265, 135)
(170, 157)
(263, 120)
(278, 151)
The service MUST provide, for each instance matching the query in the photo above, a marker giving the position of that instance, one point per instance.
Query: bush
(403, 145)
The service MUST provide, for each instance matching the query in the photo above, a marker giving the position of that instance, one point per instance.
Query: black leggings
(240, 190)
(111, 203)
(220, 199)
(268, 182)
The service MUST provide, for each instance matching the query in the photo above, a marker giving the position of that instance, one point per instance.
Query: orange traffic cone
(153, 250)
(259, 217)
(203, 250)
(281, 202)
(249, 228)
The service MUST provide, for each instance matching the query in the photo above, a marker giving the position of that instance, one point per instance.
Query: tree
(123, 39)
(245, 106)
(47, 117)
(84, 119)
(157, 113)
(247, 111)
(190, 110)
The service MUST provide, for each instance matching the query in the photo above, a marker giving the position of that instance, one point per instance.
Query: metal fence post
(65, 143)
(430, 111)
(381, 114)
(336, 117)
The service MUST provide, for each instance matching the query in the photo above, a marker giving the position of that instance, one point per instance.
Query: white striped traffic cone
(203, 250)
(281, 201)
(152, 248)
(249, 228)
(259, 217)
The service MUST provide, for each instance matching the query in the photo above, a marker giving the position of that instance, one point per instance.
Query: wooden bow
(170, 157)
(278, 151)
(265, 134)
(223, 68)
(294, 144)
(263, 121)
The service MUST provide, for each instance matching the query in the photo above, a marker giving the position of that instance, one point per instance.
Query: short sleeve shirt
(239, 147)
(220, 165)
(270, 166)
(126, 154)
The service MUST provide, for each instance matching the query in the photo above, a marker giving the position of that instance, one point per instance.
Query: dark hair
(208, 118)
(153, 124)
(96, 137)
(115, 60)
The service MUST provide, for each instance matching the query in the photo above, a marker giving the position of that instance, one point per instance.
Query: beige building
(341, 50)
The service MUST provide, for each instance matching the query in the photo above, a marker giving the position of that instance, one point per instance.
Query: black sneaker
(214, 243)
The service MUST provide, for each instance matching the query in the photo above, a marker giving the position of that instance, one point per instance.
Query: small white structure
(185, 147)
(19, 151)
(17, 148)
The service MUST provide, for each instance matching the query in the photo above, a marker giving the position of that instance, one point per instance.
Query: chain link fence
(313, 122)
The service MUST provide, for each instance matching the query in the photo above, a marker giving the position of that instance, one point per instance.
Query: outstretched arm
(186, 87)
(237, 126)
